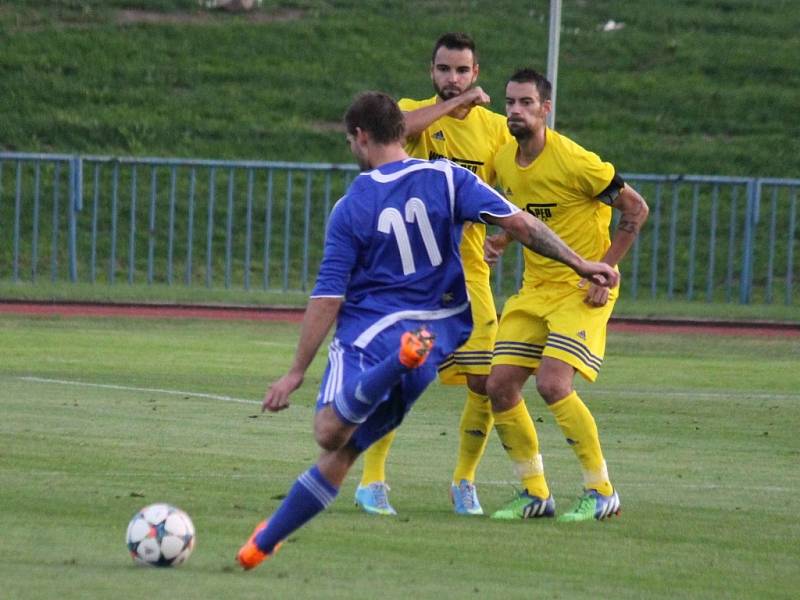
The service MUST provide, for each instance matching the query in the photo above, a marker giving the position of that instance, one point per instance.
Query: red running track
(295, 315)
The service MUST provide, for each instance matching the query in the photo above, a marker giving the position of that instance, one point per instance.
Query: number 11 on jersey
(390, 221)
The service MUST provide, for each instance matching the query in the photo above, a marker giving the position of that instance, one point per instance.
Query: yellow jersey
(560, 187)
(470, 142)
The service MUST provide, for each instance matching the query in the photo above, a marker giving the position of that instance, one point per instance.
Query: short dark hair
(528, 75)
(455, 41)
(378, 114)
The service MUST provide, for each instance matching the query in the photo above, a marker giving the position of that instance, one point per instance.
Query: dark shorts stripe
(592, 364)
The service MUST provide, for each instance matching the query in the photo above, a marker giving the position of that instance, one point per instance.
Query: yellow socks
(579, 428)
(474, 427)
(375, 459)
(518, 435)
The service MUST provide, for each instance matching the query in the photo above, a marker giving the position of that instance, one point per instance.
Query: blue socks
(309, 496)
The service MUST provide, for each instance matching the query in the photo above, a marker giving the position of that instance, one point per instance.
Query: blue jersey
(392, 245)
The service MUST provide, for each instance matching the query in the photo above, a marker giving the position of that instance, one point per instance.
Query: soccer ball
(160, 535)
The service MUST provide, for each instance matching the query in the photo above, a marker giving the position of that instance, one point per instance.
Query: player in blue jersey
(392, 280)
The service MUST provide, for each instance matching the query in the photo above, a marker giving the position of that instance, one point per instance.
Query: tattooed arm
(634, 213)
(539, 238)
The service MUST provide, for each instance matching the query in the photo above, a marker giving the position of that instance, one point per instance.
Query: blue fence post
(112, 261)
(171, 223)
(773, 217)
(132, 228)
(306, 231)
(692, 242)
(35, 227)
(287, 225)
(712, 243)
(750, 220)
(151, 224)
(267, 229)
(212, 185)
(673, 232)
(229, 229)
(17, 219)
(56, 222)
(656, 220)
(75, 205)
(95, 204)
(790, 248)
(190, 227)
(248, 241)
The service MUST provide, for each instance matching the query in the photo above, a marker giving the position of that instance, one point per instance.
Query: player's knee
(329, 434)
(329, 439)
(477, 383)
(500, 392)
(553, 389)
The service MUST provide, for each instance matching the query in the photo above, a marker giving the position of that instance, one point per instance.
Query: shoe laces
(379, 494)
(586, 503)
(426, 338)
(467, 491)
(519, 499)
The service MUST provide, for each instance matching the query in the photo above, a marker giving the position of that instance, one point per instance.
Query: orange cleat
(250, 555)
(415, 347)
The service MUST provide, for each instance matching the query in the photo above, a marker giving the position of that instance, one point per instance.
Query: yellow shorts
(475, 356)
(553, 320)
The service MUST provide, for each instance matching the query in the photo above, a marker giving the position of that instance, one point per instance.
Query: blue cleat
(526, 506)
(374, 499)
(592, 505)
(465, 498)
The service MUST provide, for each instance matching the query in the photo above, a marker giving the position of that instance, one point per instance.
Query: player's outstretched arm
(538, 237)
(319, 317)
(420, 119)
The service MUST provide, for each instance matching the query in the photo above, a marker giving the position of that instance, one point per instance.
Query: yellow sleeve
(408, 104)
(594, 174)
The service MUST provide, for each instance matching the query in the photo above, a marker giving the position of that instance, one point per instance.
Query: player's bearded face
(519, 128)
(453, 72)
(526, 113)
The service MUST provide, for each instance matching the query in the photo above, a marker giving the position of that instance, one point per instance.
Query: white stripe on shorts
(334, 383)
(369, 334)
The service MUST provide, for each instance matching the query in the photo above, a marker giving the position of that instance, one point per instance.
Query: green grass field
(689, 86)
(103, 416)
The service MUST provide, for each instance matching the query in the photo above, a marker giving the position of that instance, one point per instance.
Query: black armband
(608, 195)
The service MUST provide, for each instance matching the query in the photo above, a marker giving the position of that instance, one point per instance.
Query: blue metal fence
(255, 224)
(720, 239)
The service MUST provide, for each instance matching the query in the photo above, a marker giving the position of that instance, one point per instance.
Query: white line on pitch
(129, 388)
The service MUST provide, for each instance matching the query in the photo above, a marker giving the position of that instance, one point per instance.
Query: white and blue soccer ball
(160, 535)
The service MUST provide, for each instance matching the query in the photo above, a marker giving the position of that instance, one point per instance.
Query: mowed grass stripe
(705, 469)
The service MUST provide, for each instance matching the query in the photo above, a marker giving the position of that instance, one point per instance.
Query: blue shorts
(346, 362)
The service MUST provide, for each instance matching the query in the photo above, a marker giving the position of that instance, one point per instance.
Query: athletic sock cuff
(558, 407)
(509, 415)
(318, 486)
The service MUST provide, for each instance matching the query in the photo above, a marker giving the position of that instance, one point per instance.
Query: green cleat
(526, 506)
(592, 505)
